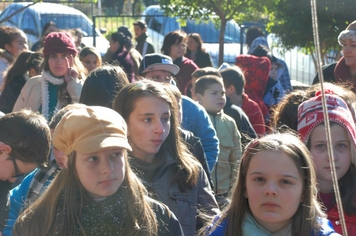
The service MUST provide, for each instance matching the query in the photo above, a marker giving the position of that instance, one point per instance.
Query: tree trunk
(221, 40)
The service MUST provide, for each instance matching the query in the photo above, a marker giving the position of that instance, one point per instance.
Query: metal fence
(301, 67)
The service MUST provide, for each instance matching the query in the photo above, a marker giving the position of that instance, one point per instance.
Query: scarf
(97, 217)
(251, 227)
(104, 217)
(47, 77)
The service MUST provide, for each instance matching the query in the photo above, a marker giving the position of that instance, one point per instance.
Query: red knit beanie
(310, 115)
(59, 42)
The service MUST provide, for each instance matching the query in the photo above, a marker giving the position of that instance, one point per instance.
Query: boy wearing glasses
(25, 141)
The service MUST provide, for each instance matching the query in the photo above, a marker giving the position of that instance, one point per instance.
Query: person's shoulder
(33, 81)
(216, 229)
(188, 61)
(326, 228)
(227, 118)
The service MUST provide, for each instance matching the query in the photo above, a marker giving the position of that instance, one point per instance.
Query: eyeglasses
(17, 172)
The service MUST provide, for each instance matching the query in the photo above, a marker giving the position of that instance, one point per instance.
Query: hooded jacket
(256, 71)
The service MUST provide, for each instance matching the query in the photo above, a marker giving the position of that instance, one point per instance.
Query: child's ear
(65, 161)
(245, 194)
(8, 47)
(4, 148)
(199, 98)
(230, 90)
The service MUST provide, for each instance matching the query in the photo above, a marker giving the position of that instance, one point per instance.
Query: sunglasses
(17, 172)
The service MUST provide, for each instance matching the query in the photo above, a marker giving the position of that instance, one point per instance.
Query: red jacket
(333, 217)
(187, 67)
(343, 75)
(254, 114)
(256, 71)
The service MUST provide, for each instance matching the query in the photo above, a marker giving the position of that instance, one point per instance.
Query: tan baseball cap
(89, 129)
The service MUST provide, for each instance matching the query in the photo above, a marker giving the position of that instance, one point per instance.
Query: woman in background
(120, 55)
(174, 45)
(196, 52)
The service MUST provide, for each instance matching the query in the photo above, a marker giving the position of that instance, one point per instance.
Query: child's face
(274, 71)
(101, 173)
(114, 45)
(58, 64)
(342, 154)
(274, 189)
(17, 45)
(90, 62)
(148, 127)
(7, 167)
(214, 98)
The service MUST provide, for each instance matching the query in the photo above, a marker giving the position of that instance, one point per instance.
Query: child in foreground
(96, 193)
(311, 129)
(275, 193)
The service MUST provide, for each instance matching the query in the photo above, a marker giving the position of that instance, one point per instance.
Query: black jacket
(10, 94)
(202, 59)
(196, 148)
(141, 40)
(241, 120)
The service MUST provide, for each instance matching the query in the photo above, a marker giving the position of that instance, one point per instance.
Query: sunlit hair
(125, 103)
(67, 186)
(173, 38)
(305, 220)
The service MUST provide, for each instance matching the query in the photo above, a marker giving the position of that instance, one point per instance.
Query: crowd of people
(138, 142)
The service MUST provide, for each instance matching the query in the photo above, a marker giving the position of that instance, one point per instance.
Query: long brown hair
(50, 215)
(305, 219)
(187, 167)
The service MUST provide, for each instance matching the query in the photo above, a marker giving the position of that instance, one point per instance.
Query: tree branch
(16, 12)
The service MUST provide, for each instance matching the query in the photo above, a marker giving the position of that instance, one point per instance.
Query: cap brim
(97, 143)
(174, 69)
